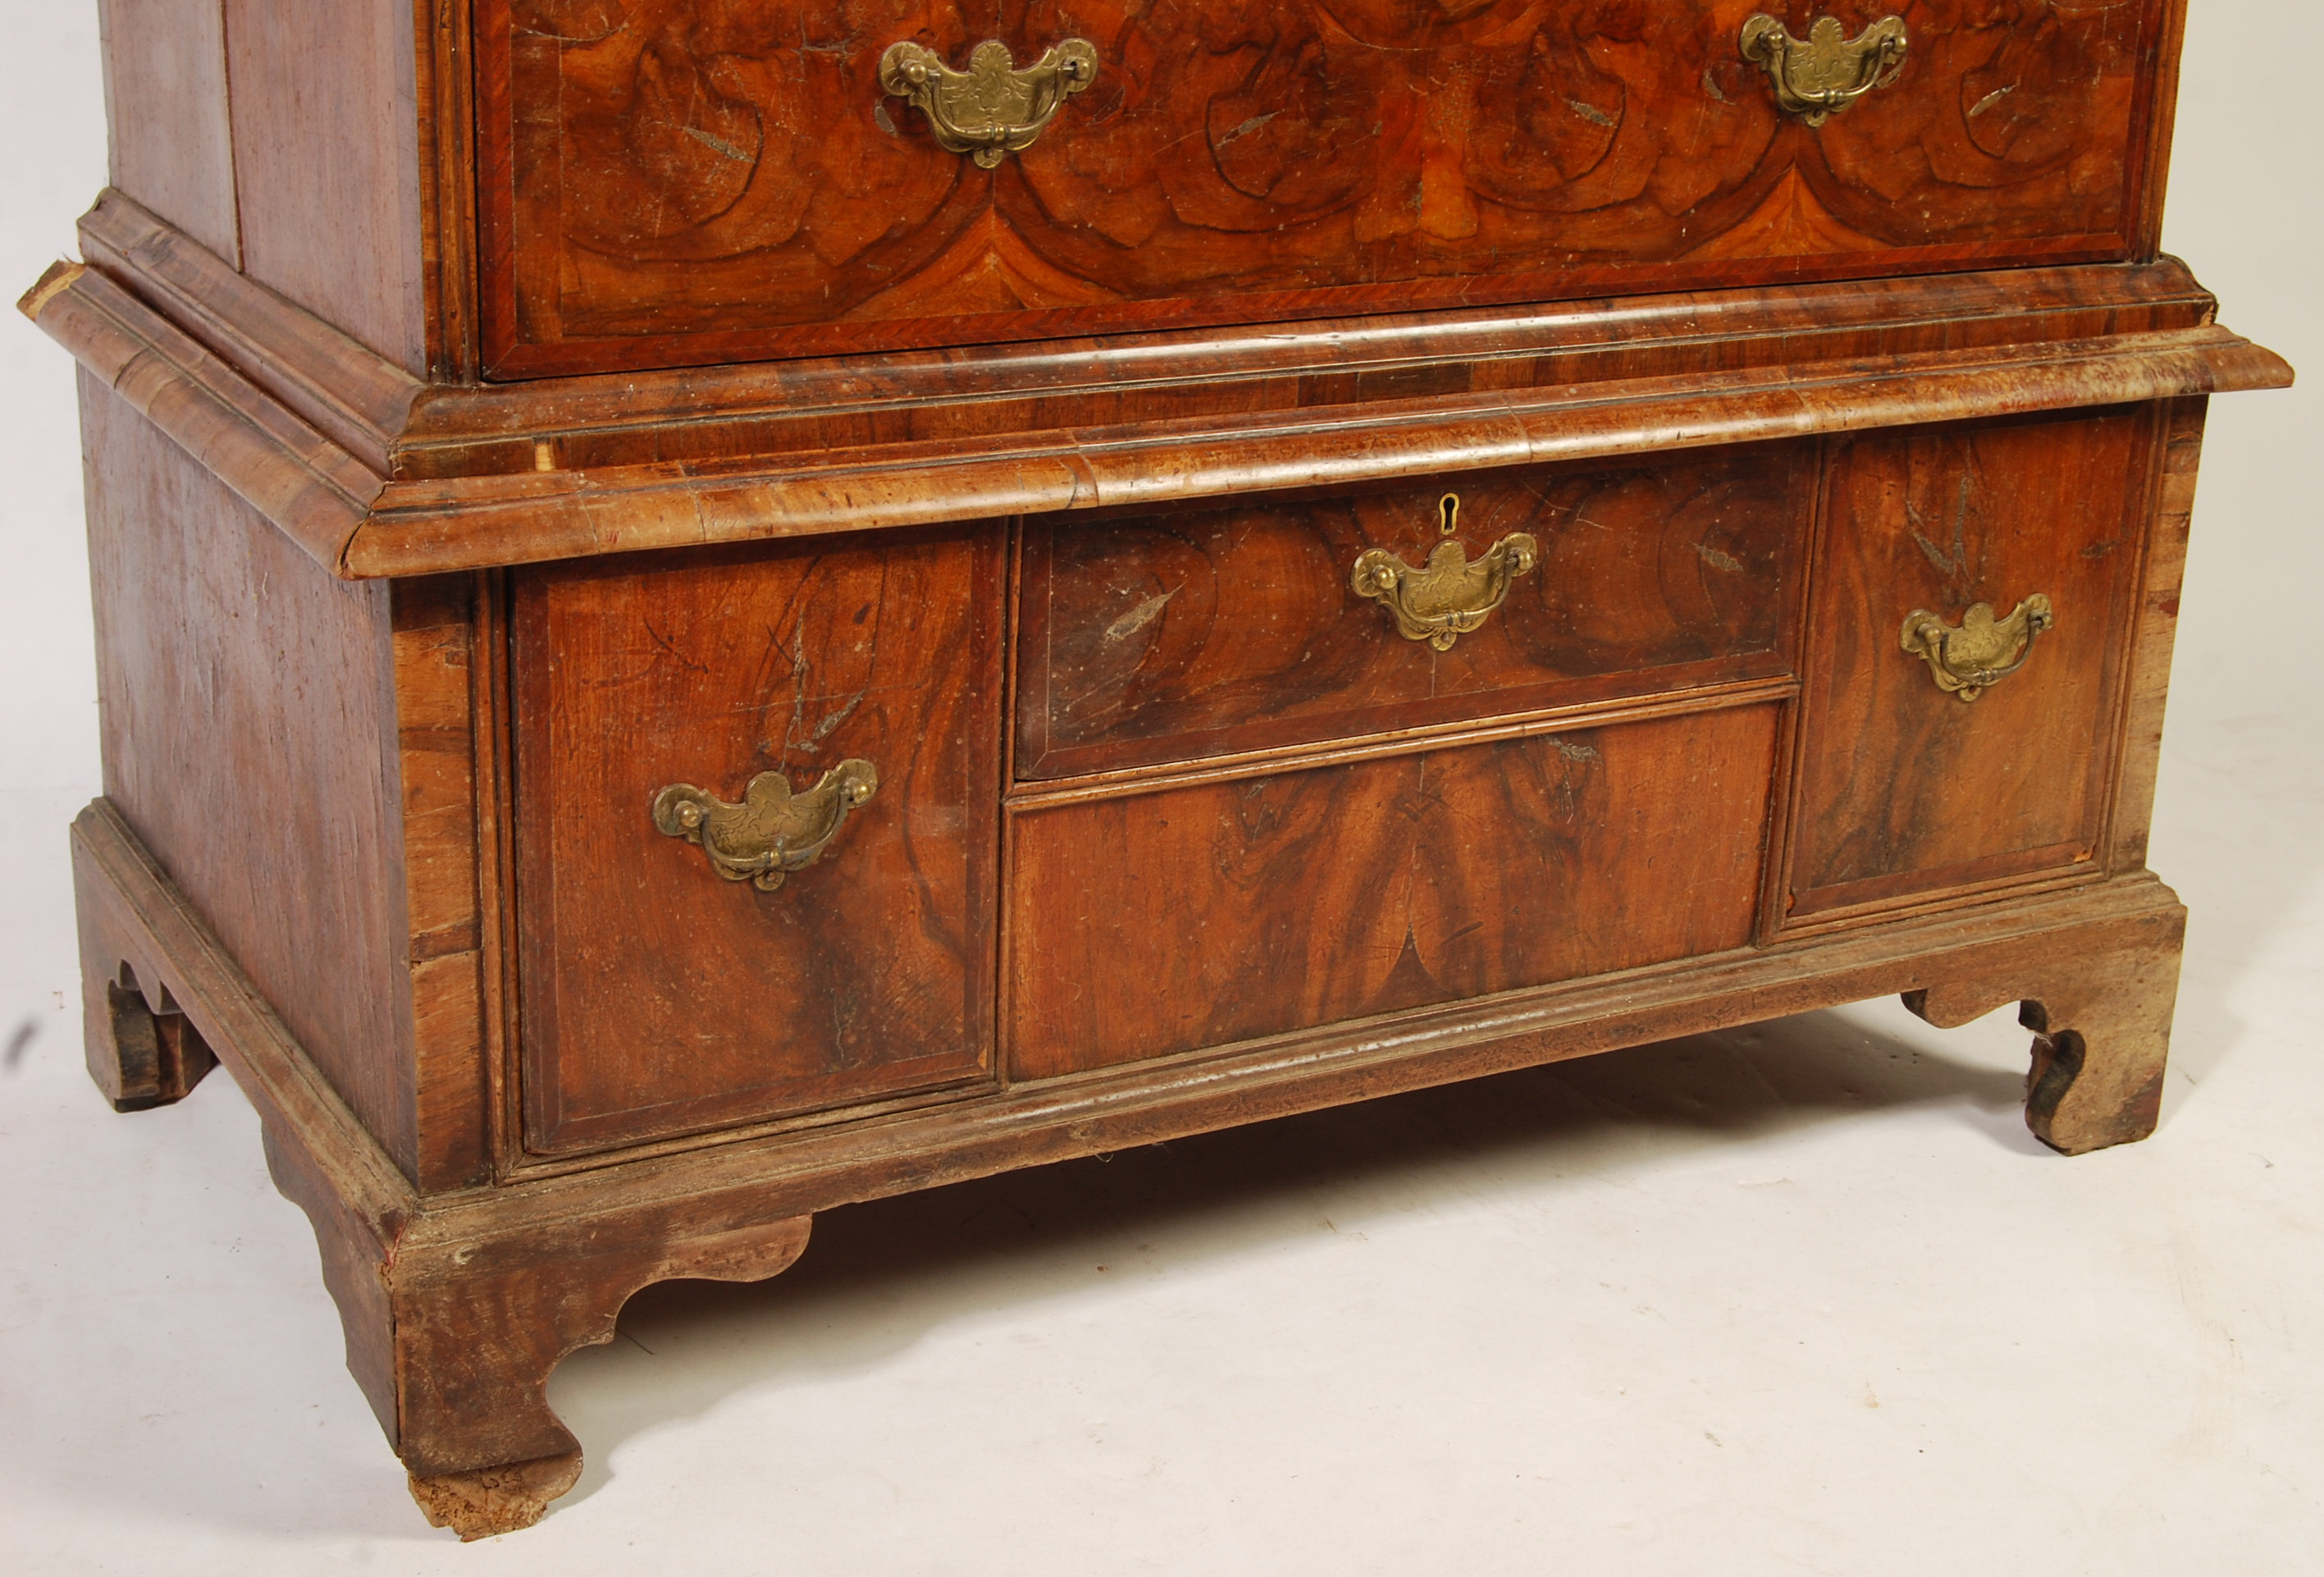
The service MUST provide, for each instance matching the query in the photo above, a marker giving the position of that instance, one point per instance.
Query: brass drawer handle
(1984, 650)
(992, 109)
(1452, 594)
(773, 832)
(1818, 78)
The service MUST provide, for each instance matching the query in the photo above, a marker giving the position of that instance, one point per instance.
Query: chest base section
(458, 1305)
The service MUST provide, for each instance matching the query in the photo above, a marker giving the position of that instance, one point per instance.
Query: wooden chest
(713, 608)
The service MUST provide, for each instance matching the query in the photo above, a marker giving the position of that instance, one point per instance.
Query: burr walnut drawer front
(1964, 679)
(1275, 625)
(1204, 913)
(756, 811)
(669, 182)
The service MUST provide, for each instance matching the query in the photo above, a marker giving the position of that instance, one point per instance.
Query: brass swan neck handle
(993, 108)
(1450, 596)
(1817, 77)
(773, 832)
(1967, 661)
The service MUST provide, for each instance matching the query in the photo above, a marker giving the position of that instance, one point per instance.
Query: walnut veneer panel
(1169, 636)
(656, 997)
(249, 736)
(665, 180)
(1902, 788)
(1192, 916)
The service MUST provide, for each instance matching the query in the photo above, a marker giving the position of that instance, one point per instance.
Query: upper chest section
(669, 182)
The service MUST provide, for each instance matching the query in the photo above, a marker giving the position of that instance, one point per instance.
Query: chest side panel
(165, 101)
(326, 163)
(249, 729)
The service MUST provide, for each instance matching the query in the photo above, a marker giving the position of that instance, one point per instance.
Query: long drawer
(1216, 912)
(1196, 633)
(669, 182)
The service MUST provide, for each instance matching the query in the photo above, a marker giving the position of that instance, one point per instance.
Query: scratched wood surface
(249, 736)
(326, 162)
(1194, 916)
(447, 797)
(1904, 789)
(656, 997)
(670, 180)
(2155, 633)
(1171, 636)
(165, 105)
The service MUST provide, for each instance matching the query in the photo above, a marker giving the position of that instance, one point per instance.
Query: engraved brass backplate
(1967, 661)
(992, 109)
(1817, 78)
(773, 832)
(1451, 595)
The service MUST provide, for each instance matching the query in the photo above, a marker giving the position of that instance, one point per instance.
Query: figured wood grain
(1159, 923)
(248, 733)
(661, 185)
(326, 163)
(165, 105)
(656, 997)
(1902, 786)
(1171, 636)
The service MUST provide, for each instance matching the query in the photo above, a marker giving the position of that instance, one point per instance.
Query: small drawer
(1946, 553)
(1178, 636)
(1191, 916)
(667, 183)
(663, 990)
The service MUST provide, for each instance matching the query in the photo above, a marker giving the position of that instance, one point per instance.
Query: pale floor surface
(1801, 1298)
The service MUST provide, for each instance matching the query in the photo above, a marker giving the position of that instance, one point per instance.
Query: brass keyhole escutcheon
(1450, 596)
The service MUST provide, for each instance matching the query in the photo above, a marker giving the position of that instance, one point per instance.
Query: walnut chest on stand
(713, 608)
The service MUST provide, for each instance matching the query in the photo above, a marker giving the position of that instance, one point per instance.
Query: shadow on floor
(921, 1259)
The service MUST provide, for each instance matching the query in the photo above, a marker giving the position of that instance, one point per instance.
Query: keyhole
(1448, 509)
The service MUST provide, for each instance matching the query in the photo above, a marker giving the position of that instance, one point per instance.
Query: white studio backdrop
(1794, 1301)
